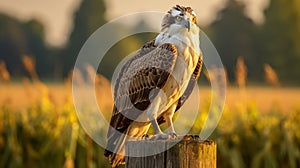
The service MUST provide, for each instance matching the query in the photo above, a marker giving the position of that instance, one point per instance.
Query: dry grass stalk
(241, 72)
(102, 81)
(43, 89)
(29, 64)
(68, 86)
(216, 74)
(271, 76)
(104, 95)
(77, 77)
(71, 153)
(211, 74)
(226, 76)
(68, 79)
(102, 89)
(207, 76)
(29, 91)
(91, 72)
(4, 74)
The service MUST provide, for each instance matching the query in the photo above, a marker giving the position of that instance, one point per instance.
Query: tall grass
(29, 64)
(241, 72)
(4, 74)
(44, 134)
(271, 76)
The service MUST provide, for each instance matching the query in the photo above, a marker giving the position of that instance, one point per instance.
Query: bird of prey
(155, 82)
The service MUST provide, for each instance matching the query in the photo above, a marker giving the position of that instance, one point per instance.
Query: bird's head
(180, 18)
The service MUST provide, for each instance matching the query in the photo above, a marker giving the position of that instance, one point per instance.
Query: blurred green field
(39, 128)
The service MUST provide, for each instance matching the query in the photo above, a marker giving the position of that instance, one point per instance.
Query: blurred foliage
(47, 135)
(246, 137)
(22, 38)
(87, 19)
(275, 42)
(233, 35)
(44, 135)
(279, 38)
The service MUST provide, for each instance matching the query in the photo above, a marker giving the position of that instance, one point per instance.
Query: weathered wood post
(186, 153)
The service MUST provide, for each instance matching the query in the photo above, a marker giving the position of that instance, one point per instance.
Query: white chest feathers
(182, 39)
(186, 42)
(188, 48)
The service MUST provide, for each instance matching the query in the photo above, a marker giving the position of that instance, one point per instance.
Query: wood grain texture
(186, 153)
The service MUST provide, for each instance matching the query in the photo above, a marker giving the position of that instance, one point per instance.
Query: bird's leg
(152, 114)
(168, 117)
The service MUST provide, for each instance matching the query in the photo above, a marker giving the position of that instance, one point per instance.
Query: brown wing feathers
(118, 122)
(153, 71)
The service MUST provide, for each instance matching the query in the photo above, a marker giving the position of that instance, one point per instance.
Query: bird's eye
(178, 18)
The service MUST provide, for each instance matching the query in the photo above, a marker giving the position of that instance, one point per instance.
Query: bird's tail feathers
(115, 148)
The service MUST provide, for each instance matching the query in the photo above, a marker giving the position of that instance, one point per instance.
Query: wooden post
(187, 153)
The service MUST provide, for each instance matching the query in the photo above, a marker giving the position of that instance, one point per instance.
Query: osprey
(155, 82)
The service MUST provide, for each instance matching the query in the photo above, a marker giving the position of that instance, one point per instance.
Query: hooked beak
(187, 25)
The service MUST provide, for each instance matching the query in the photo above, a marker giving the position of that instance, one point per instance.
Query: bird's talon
(173, 135)
(160, 137)
(145, 137)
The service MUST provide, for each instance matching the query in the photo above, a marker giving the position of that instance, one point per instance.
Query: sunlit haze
(57, 15)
